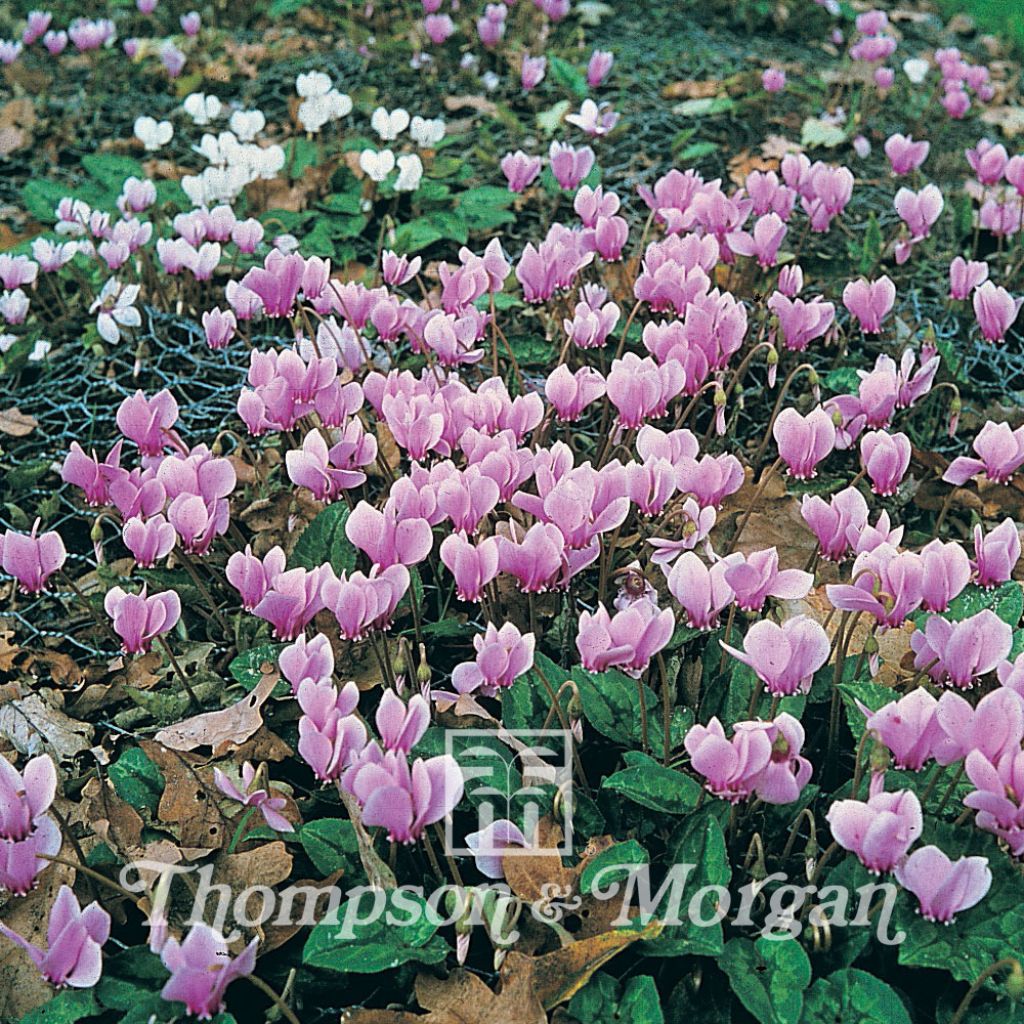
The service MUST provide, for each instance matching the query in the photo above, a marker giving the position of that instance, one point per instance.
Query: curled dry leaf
(221, 729)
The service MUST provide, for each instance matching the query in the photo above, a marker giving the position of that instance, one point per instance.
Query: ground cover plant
(509, 513)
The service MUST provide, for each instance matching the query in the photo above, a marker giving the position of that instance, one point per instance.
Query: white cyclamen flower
(247, 124)
(427, 132)
(389, 126)
(410, 170)
(152, 133)
(202, 108)
(377, 166)
(313, 83)
(116, 306)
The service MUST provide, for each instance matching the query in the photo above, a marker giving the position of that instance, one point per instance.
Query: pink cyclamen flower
(138, 619)
(363, 603)
(944, 887)
(536, 559)
(703, 593)
(756, 577)
(531, 74)
(906, 155)
(835, 523)
(148, 421)
(252, 577)
(403, 799)
(201, 969)
(570, 393)
(988, 161)
(879, 831)
(885, 458)
(277, 282)
(330, 735)
(438, 27)
(784, 657)
(762, 758)
(947, 570)
(149, 540)
(870, 302)
(801, 322)
(960, 653)
(472, 565)
(502, 656)
(387, 538)
(1000, 453)
(33, 558)
(995, 309)
(398, 270)
(626, 640)
(291, 601)
(570, 165)
(25, 796)
(996, 553)
(804, 440)
(919, 210)
(965, 276)
(307, 659)
(773, 80)
(995, 727)
(520, 170)
(74, 938)
(401, 726)
(763, 243)
(23, 860)
(190, 23)
(598, 66)
(888, 585)
(908, 727)
(219, 327)
(260, 799)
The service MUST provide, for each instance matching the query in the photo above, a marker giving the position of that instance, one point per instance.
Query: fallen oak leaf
(559, 975)
(221, 729)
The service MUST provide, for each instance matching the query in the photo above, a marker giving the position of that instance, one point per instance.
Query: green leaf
(843, 380)
(485, 207)
(330, 844)
(569, 76)
(977, 937)
(699, 840)
(285, 8)
(111, 169)
(40, 197)
(872, 248)
(871, 695)
(652, 785)
(611, 705)
(816, 132)
(698, 150)
(769, 977)
(854, 996)
(64, 1008)
(604, 1001)
(137, 780)
(629, 852)
(324, 540)
(403, 931)
(248, 667)
(1006, 600)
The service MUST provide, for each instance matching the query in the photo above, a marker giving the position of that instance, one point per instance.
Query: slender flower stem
(273, 997)
(180, 672)
(961, 1011)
